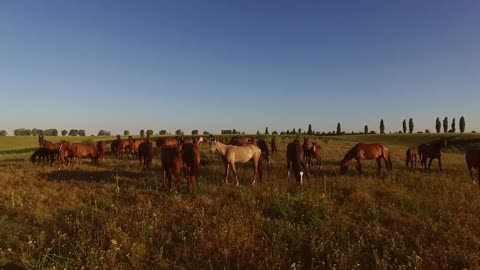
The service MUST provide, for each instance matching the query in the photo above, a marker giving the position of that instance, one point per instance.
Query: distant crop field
(118, 216)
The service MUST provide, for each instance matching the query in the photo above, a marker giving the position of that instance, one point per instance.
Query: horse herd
(177, 153)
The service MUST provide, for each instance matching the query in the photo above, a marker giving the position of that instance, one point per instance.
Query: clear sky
(211, 65)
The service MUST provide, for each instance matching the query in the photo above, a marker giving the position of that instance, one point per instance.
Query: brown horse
(101, 146)
(432, 151)
(363, 151)
(49, 145)
(78, 151)
(236, 141)
(171, 165)
(191, 164)
(145, 153)
(472, 157)
(43, 155)
(232, 154)
(162, 142)
(273, 146)
(264, 147)
(411, 158)
(134, 144)
(121, 147)
(314, 152)
(295, 157)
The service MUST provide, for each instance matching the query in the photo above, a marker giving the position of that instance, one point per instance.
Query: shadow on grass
(93, 176)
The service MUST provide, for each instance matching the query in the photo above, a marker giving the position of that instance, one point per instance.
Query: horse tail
(386, 154)
(260, 167)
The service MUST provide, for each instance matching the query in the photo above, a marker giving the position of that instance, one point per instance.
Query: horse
(191, 164)
(295, 158)
(363, 151)
(120, 146)
(101, 146)
(314, 152)
(236, 141)
(264, 147)
(472, 157)
(134, 144)
(44, 155)
(232, 154)
(145, 153)
(431, 151)
(162, 142)
(171, 164)
(411, 158)
(305, 146)
(78, 151)
(49, 145)
(273, 146)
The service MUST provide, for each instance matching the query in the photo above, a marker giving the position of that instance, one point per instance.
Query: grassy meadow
(117, 216)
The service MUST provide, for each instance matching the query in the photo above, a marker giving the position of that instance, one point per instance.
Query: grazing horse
(49, 145)
(171, 164)
(363, 151)
(191, 164)
(44, 155)
(273, 146)
(134, 144)
(232, 154)
(264, 147)
(145, 153)
(78, 151)
(101, 146)
(411, 158)
(314, 152)
(431, 151)
(162, 142)
(295, 157)
(472, 157)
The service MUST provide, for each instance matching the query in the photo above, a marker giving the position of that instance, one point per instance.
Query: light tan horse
(232, 154)
(363, 151)
(472, 157)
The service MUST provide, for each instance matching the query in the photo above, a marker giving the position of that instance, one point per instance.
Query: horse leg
(471, 173)
(430, 163)
(440, 164)
(359, 166)
(232, 164)
(255, 169)
(288, 168)
(227, 167)
(379, 164)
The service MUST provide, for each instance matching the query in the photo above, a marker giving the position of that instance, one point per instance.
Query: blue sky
(212, 65)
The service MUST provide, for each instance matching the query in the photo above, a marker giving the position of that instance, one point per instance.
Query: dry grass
(116, 216)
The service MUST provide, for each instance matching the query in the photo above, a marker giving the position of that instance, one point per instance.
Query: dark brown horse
(314, 152)
(262, 144)
(43, 155)
(363, 151)
(191, 164)
(411, 158)
(236, 141)
(295, 157)
(432, 151)
(145, 153)
(171, 165)
(305, 146)
(54, 147)
(273, 145)
(472, 157)
(121, 147)
(79, 150)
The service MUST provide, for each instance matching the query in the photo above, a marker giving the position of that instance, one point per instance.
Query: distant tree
(266, 131)
(404, 125)
(50, 132)
(445, 124)
(142, 133)
(462, 124)
(365, 129)
(410, 125)
(258, 132)
(453, 126)
(178, 132)
(438, 125)
(373, 132)
(294, 132)
(81, 132)
(382, 127)
(274, 132)
(288, 132)
(73, 132)
(126, 132)
(104, 133)
(64, 132)
(339, 128)
(309, 132)
(162, 132)
(195, 132)
(427, 130)
(3, 132)
(36, 132)
(206, 133)
(150, 132)
(299, 131)
(243, 132)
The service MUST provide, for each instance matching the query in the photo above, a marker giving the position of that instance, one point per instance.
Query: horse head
(344, 167)
(213, 145)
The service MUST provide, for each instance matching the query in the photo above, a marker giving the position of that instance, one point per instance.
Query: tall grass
(116, 216)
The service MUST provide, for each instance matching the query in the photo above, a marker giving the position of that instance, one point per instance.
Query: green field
(117, 216)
